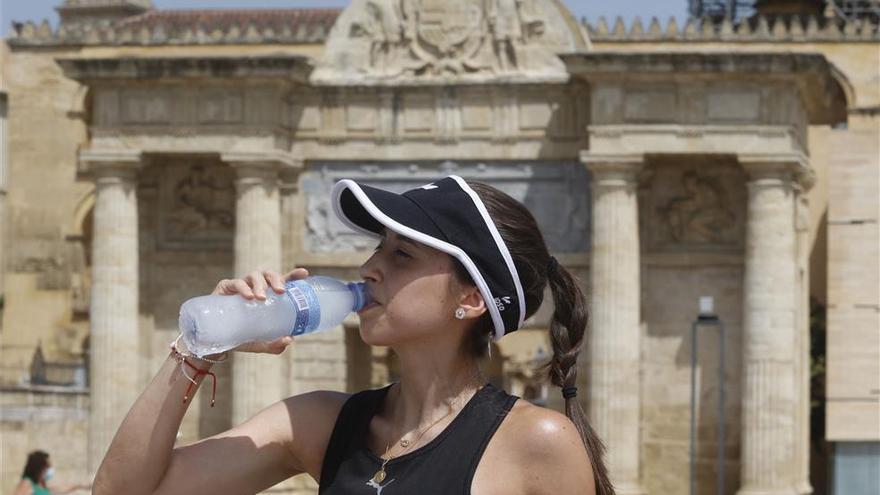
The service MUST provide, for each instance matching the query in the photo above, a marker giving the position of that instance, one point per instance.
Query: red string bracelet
(180, 357)
(192, 382)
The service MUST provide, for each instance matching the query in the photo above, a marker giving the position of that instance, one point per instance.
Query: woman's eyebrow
(405, 240)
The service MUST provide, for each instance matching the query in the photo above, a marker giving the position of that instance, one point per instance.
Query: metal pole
(713, 321)
(693, 461)
(721, 349)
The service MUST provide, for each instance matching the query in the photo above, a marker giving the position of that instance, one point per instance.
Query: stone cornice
(93, 70)
(687, 64)
(758, 29)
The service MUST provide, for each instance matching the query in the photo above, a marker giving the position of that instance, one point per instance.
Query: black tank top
(444, 466)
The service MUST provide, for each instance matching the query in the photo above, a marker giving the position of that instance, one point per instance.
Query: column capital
(611, 170)
(786, 167)
(601, 163)
(265, 159)
(289, 179)
(98, 163)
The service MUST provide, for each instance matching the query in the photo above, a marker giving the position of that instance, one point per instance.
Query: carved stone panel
(196, 206)
(734, 105)
(557, 194)
(145, 107)
(649, 105)
(220, 107)
(690, 207)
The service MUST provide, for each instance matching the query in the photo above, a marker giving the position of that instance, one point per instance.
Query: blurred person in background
(38, 471)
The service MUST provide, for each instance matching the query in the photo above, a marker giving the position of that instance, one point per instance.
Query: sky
(36, 10)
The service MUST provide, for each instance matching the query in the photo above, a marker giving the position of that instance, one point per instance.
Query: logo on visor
(502, 302)
(428, 187)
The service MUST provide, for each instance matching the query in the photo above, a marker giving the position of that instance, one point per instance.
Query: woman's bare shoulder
(545, 444)
(543, 430)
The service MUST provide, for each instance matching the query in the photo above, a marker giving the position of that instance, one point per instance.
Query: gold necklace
(380, 475)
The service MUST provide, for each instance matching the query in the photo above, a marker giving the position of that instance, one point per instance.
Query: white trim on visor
(403, 230)
(502, 247)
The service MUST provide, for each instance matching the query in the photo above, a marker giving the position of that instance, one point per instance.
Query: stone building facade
(152, 153)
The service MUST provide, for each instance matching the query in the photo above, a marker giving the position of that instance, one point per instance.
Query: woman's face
(46, 470)
(415, 289)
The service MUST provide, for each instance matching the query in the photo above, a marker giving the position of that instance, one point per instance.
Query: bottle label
(305, 301)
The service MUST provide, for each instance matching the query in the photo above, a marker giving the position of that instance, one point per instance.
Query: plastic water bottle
(212, 324)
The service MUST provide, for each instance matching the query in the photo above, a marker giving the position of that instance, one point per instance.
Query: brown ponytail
(537, 269)
(567, 330)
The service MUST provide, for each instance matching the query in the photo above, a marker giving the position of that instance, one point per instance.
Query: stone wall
(689, 253)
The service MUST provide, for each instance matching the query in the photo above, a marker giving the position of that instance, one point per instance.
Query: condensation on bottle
(212, 324)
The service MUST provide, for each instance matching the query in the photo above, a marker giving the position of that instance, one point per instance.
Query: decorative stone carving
(197, 207)
(690, 209)
(394, 41)
(557, 193)
(701, 213)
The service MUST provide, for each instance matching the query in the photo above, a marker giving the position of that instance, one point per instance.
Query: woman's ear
(471, 300)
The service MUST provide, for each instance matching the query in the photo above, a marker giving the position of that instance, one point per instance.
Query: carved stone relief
(197, 206)
(557, 194)
(431, 40)
(695, 208)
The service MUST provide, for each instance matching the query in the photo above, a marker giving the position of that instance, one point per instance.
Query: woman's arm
(65, 489)
(282, 440)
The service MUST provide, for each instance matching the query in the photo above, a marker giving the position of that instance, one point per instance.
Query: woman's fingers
(296, 274)
(258, 284)
(274, 280)
(222, 288)
(241, 287)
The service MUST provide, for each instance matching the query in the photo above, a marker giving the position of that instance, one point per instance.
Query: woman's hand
(254, 286)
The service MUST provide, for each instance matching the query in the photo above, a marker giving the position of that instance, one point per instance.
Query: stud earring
(459, 313)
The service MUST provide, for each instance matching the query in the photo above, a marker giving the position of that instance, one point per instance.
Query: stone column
(770, 395)
(113, 315)
(256, 378)
(291, 245)
(4, 154)
(805, 182)
(614, 346)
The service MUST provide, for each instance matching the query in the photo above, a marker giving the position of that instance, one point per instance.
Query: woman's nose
(370, 269)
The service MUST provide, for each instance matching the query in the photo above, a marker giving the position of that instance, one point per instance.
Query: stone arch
(79, 240)
(81, 213)
(845, 94)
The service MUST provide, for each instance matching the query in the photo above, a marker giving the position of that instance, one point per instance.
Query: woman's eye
(403, 253)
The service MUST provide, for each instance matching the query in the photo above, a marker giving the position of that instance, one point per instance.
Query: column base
(768, 491)
(629, 489)
(805, 489)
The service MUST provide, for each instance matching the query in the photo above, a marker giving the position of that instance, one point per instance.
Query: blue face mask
(50, 472)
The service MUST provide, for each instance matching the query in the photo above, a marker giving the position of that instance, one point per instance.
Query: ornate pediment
(394, 42)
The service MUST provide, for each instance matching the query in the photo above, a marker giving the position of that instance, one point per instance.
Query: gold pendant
(379, 477)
